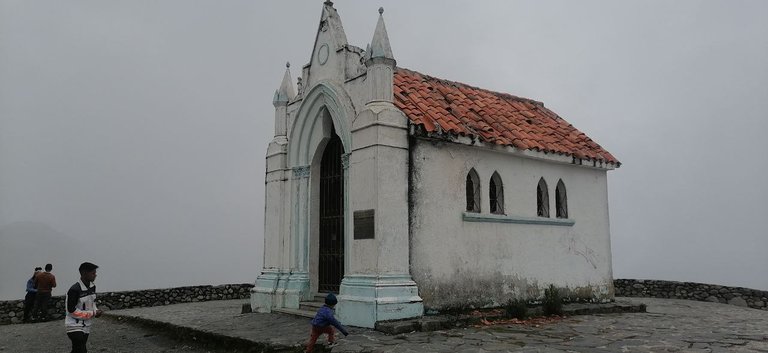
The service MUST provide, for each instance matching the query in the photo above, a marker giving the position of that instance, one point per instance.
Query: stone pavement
(107, 336)
(670, 325)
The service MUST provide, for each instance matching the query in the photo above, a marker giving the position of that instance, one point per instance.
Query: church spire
(380, 47)
(282, 96)
(380, 64)
(330, 20)
(285, 93)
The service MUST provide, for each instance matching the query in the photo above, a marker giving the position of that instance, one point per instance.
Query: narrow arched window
(496, 194)
(542, 199)
(473, 191)
(561, 200)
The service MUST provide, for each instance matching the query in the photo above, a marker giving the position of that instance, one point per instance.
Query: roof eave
(560, 158)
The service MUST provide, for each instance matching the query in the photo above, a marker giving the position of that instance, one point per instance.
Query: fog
(133, 133)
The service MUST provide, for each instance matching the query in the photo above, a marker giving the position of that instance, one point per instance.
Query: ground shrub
(516, 308)
(553, 302)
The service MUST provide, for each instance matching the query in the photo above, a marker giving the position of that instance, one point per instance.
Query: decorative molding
(323, 95)
(493, 218)
(379, 144)
(301, 172)
(300, 87)
(345, 161)
(322, 54)
(380, 123)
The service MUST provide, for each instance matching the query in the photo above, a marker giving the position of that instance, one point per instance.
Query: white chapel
(406, 193)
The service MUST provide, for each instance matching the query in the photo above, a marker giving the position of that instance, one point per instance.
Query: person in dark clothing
(324, 322)
(29, 298)
(44, 282)
(81, 308)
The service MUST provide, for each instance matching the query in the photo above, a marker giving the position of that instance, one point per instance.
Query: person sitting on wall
(29, 298)
(45, 282)
(324, 322)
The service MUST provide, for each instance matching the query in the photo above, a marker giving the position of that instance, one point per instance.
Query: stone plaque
(363, 224)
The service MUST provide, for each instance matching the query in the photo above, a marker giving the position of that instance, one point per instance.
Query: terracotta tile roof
(454, 108)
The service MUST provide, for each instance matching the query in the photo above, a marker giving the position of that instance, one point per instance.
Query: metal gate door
(331, 264)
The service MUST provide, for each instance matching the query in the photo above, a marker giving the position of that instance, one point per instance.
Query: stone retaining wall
(746, 297)
(12, 311)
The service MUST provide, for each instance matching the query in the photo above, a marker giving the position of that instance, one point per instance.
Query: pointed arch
(542, 199)
(561, 200)
(324, 107)
(473, 191)
(496, 194)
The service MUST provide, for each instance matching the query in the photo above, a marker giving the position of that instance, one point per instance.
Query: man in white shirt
(81, 308)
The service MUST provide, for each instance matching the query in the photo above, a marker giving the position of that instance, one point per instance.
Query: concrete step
(311, 306)
(295, 312)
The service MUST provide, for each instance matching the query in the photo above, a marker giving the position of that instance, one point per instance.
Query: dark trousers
(41, 305)
(29, 303)
(78, 339)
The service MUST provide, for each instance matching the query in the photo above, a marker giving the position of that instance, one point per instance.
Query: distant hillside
(25, 245)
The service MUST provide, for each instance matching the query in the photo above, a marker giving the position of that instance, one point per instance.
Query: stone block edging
(752, 298)
(442, 322)
(12, 311)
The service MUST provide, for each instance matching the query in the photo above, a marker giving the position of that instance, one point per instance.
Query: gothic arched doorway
(331, 235)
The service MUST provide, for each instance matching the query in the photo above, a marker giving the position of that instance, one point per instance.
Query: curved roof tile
(493, 117)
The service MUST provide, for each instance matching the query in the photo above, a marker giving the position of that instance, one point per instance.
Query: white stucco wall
(456, 262)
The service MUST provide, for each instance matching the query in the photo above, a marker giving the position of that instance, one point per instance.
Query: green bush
(516, 308)
(553, 303)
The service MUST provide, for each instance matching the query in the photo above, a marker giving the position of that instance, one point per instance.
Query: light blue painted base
(366, 299)
(279, 289)
(296, 290)
(263, 298)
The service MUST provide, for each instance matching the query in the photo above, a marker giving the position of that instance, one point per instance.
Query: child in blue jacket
(324, 322)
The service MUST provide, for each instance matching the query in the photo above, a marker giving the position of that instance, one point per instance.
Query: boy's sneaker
(332, 344)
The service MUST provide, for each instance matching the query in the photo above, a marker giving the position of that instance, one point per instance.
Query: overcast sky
(133, 133)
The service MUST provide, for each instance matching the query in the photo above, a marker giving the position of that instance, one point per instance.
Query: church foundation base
(279, 289)
(263, 294)
(367, 299)
(296, 290)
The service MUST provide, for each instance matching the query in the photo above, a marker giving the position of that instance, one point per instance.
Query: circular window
(322, 54)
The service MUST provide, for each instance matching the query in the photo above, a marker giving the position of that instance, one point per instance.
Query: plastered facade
(484, 263)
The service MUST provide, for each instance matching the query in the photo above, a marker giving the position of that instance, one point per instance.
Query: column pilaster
(297, 284)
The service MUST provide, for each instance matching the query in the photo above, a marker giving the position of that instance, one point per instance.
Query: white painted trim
(494, 218)
(276, 154)
(379, 123)
(379, 144)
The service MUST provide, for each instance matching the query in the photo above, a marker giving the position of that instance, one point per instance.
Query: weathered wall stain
(466, 290)
(578, 247)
